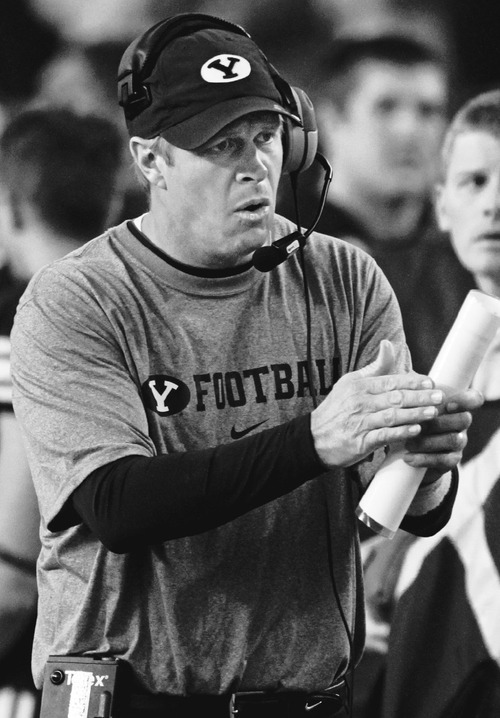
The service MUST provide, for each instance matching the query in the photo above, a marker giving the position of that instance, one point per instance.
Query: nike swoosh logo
(235, 434)
(312, 706)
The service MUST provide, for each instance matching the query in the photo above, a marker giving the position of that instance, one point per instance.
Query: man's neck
(385, 218)
(490, 284)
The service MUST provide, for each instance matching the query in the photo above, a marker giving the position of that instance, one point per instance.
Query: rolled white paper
(393, 488)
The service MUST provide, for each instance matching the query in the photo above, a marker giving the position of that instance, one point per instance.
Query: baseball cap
(203, 81)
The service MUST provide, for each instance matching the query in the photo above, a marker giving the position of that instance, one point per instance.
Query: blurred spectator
(96, 20)
(381, 123)
(26, 43)
(59, 185)
(83, 78)
(293, 30)
(444, 645)
(474, 26)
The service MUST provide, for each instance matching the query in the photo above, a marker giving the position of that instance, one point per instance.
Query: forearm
(139, 501)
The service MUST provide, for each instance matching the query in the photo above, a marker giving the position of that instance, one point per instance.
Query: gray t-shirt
(116, 353)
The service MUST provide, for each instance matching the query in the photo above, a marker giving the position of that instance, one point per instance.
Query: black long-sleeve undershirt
(137, 501)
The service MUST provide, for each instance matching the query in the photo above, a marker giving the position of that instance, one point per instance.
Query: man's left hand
(440, 445)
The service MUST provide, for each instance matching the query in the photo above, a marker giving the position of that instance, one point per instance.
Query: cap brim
(197, 130)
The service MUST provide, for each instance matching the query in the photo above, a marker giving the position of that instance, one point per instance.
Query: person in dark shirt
(444, 639)
(382, 118)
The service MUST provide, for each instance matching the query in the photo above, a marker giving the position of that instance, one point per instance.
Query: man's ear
(440, 208)
(150, 164)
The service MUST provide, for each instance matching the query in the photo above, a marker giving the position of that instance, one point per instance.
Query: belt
(240, 705)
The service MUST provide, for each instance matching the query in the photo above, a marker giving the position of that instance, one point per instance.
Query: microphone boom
(266, 258)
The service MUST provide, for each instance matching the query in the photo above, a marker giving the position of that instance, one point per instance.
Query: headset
(300, 138)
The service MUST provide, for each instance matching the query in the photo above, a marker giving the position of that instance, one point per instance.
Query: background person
(215, 565)
(382, 119)
(59, 180)
(444, 642)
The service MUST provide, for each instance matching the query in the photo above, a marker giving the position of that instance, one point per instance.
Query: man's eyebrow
(271, 119)
(272, 122)
(268, 122)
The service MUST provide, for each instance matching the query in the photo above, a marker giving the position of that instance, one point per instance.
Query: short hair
(67, 165)
(480, 113)
(348, 52)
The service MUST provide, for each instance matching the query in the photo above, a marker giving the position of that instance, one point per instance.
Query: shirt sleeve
(429, 523)
(74, 390)
(137, 501)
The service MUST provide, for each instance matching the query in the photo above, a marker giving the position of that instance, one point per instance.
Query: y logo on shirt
(165, 394)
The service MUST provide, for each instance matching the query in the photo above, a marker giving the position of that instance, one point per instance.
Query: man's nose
(252, 167)
(406, 122)
(492, 207)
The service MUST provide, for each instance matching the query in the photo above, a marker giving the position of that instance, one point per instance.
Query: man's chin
(251, 241)
(242, 255)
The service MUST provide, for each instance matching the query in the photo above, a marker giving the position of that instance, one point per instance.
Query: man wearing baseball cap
(198, 442)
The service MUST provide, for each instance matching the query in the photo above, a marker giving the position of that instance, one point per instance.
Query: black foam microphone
(266, 258)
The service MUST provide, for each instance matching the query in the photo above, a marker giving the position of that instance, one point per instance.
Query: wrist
(431, 476)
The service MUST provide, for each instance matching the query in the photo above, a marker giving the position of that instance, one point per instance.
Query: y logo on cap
(225, 68)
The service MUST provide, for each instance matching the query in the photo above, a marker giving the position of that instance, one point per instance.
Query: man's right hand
(371, 408)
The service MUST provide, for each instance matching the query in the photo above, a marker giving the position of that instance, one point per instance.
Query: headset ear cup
(301, 141)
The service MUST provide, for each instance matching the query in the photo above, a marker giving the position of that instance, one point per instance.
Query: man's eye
(476, 180)
(386, 106)
(430, 111)
(267, 136)
(224, 145)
